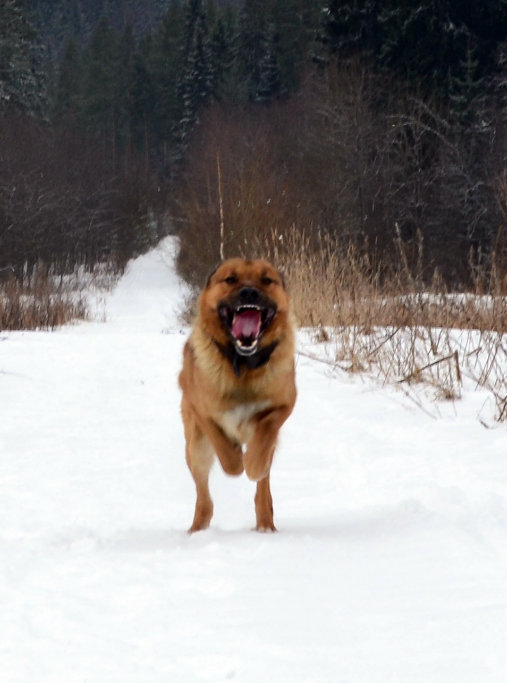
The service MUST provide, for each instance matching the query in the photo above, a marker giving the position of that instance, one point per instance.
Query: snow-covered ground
(391, 559)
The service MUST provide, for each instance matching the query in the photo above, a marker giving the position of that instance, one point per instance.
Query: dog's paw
(266, 528)
(254, 469)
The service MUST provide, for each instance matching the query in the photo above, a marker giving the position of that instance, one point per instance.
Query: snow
(390, 563)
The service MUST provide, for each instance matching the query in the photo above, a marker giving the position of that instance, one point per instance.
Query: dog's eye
(266, 281)
(231, 280)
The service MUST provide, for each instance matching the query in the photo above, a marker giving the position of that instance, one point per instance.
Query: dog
(238, 380)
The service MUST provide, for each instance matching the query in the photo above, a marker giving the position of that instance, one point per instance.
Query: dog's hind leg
(264, 506)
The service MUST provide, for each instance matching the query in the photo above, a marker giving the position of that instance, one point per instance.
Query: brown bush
(43, 302)
(61, 202)
(388, 323)
(256, 189)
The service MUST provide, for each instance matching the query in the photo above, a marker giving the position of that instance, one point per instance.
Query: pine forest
(239, 124)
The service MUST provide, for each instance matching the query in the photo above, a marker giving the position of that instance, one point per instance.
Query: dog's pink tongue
(247, 324)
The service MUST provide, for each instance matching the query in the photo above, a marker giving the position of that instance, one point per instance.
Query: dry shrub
(61, 202)
(389, 323)
(43, 302)
(329, 284)
(341, 285)
(237, 163)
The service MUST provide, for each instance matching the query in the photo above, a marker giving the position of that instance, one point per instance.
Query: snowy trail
(390, 563)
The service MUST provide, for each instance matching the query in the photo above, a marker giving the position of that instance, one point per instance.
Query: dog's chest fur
(237, 423)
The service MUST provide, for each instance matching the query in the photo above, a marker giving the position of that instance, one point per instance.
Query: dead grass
(390, 323)
(42, 302)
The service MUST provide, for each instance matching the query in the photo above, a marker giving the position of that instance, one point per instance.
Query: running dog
(238, 381)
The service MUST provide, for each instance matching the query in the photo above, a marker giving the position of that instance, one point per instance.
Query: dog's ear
(208, 281)
(282, 277)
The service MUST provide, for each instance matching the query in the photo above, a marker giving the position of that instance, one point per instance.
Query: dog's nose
(249, 295)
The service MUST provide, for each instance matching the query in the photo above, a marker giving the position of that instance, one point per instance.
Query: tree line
(362, 120)
(146, 93)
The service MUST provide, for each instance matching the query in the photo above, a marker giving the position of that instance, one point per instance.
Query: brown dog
(238, 380)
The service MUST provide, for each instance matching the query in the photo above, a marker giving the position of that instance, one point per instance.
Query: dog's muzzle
(246, 317)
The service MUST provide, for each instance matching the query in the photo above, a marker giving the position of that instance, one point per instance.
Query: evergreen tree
(420, 42)
(196, 84)
(68, 88)
(223, 37)
(467, 91)
(349, 28)
(425, 43)
(22, 79)
(123, 78)
(141, 102)
(251, 45)
(269, 85)
(99, 115)
(57, 20)
(163, 55)
(296, 23)
(275, 36)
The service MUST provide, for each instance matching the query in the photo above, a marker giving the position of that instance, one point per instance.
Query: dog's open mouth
(246, 324)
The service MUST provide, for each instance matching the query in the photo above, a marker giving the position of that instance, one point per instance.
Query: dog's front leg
(260, 450)
(229, 453)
